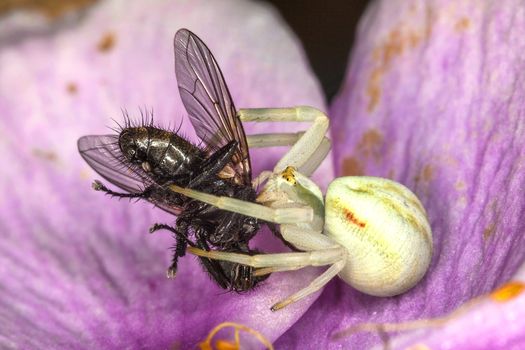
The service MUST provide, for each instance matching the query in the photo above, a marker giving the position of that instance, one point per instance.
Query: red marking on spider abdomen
(353, 219)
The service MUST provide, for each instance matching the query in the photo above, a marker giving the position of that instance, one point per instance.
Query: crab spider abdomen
(385, 230)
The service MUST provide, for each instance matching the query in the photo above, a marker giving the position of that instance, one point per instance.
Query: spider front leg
(321, 251)
(308, 149)
(318, 250)
(275, 215)
(336, 257)
(281, 261)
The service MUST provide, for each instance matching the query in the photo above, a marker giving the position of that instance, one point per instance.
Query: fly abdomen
(172, 156)
(162, 153)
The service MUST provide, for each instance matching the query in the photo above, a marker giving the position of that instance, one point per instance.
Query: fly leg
(181, 242)
(180, 250)
(157, 227)
(213, 267)
(99, 186)
(215, 163)
(276, 215)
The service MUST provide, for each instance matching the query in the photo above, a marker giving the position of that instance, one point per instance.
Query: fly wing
(103, 154)
(208, 102)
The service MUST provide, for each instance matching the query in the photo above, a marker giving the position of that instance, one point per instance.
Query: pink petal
(78, 269)
(434, 98)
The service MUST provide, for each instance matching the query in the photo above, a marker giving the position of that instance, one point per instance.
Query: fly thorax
(170, 155)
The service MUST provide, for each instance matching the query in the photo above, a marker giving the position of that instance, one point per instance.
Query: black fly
(144, 160)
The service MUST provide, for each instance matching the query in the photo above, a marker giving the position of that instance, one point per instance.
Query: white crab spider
(376, 233)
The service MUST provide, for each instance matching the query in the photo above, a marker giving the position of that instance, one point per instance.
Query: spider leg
(302, 240)
(296, 259)
(308, 149)
(313, 287)
(268, 263)
(279, 235)
(263, 271)
(308, 167)
(307, 240)
(275, 215)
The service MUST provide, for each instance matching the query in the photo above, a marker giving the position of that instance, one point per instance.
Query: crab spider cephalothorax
(372, 232)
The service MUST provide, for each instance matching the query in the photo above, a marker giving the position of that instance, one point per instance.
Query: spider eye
(289, 175)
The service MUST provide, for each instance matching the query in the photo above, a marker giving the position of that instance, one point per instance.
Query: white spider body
(291, 189)
(372, 232)
(384, 228)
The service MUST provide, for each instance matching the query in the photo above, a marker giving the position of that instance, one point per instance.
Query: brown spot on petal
(72, 88)
(462, 24)
(492, 215)
(370, 144)
(52, 9)
(460, 185)
(107, 42)
(393, 46)
(489, 231)
(351, 167)
(508, 291)
(49, 156)
(426, 174)
(373, 89)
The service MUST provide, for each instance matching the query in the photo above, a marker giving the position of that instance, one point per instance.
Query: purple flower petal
(434, 98)
(493, 321)
(78, 269)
